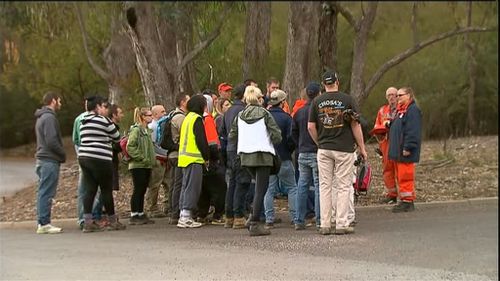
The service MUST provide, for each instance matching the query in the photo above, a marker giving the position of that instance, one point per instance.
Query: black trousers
(213, 191)
(97, 173)
(261, 176)
(140, 178)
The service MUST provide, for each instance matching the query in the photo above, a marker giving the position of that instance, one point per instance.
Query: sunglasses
(400, 95)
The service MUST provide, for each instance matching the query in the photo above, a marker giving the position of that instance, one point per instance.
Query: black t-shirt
(327, 112)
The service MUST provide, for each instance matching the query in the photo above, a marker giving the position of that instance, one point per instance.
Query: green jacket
(252, 114)
(140, 148)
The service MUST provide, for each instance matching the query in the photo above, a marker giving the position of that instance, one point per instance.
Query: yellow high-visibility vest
(188, 150)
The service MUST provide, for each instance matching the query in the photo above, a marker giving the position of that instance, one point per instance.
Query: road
(16, 174)
(445, 241)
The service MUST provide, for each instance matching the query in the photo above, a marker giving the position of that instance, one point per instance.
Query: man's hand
(406, 153)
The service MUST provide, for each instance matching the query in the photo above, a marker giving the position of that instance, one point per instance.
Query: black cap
(239, 91)
(330, 77)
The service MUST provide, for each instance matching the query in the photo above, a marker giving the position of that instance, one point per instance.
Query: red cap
(224, 87)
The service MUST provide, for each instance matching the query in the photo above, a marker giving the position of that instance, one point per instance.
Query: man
(49, 156)
(307, 160)
(385, 115)
(225, 90)
(238, 179)
(158, 173)
(273, 84)
(334, 127)
(285, 179)
(173, 155)
(250, 82)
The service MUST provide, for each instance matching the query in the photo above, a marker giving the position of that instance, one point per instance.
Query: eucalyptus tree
(257, 37)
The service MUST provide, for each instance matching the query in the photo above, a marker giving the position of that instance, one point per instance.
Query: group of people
(222, 157)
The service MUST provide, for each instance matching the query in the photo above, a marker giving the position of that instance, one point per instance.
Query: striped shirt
(96, 134)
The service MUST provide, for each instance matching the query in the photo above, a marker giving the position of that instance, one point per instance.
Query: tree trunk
(327, 38)
(257, 36)
(154, 45)
(472, 68)
(357, 84)
(302, 20)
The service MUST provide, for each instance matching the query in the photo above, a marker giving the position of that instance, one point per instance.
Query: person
(95, 158)
(256, 123)
(404, 147)
(335, 129)
(385, 115)
(307, 160)
(179, 114)
(213, 188)
(300, 102)
(238, 179)
(193, 156)
(225, 90)
(273, 84)
(285, 178)
(159, 172)
(215, 101)
(250, 82)
(142, 160)
(115, 113)
(49, 156)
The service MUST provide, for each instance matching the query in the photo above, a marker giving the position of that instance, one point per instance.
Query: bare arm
(313, 132)
(358, 135)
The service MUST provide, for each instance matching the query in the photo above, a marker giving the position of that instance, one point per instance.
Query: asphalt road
(448, 241)
(16, 174)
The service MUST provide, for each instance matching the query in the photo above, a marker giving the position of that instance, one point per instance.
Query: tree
(155, 39)
(362, 28)
(327, 37)
(118, 57)
(257, 36)
(302, 20)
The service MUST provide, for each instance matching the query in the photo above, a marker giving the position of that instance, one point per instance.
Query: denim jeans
(286, 180)
(308, 170)
(48, 174)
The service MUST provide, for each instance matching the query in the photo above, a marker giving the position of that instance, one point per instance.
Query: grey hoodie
(48, 136)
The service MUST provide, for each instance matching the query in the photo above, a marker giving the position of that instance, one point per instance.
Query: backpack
(363, 178)
(123, 145)
(165, 129)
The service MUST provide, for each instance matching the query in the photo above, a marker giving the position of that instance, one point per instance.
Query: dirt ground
(448, 170)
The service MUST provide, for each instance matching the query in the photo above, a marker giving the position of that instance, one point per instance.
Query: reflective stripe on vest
(188, 150)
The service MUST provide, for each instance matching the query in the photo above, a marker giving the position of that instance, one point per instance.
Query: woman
(142, 158)
(193, 156)
(256, 123)
(221, 107)
(95, 158)
(404, 147)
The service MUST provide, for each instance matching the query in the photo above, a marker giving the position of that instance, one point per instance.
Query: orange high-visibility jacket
(210, 129)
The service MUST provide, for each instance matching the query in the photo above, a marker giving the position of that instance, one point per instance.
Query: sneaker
(218, 221)
(157, 214)
(269, 225)
(140, 219)
(103, 222)
(300, 226)
(389, 200)
(146, 220)
(256, 229)
(115, 226)
(229, 223)
(187, 223)
(403, 206)
(342, 231)
(91, 227)
(239, 223)
(48, 229)
(325, 231)
(310, 222)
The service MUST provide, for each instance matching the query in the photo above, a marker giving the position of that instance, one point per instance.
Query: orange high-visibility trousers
(405, 175)
(389, 170)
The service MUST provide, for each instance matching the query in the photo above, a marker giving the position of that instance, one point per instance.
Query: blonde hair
(252, 95)
(139, 113)
(410, 92)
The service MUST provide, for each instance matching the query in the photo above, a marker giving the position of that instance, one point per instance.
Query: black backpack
(166, 141)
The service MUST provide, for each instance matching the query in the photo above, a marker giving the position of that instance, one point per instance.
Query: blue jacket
(284, 121)
(300, 134)
(405, 133)
(228, 119)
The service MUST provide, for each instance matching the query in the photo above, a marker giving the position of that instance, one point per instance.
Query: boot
(257, 229)
(228, 223)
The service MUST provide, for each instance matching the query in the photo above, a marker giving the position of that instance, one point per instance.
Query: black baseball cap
(330, 77)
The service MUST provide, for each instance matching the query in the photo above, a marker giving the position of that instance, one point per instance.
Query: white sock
(133, 214)
(185, 213)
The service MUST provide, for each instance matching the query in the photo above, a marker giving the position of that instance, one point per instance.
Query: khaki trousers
(160, 178)
(335, 167)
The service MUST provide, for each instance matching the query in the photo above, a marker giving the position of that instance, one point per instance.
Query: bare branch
(101, 72)
(202, 45)
(411, 51)
(348, 16)
(414, 22)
